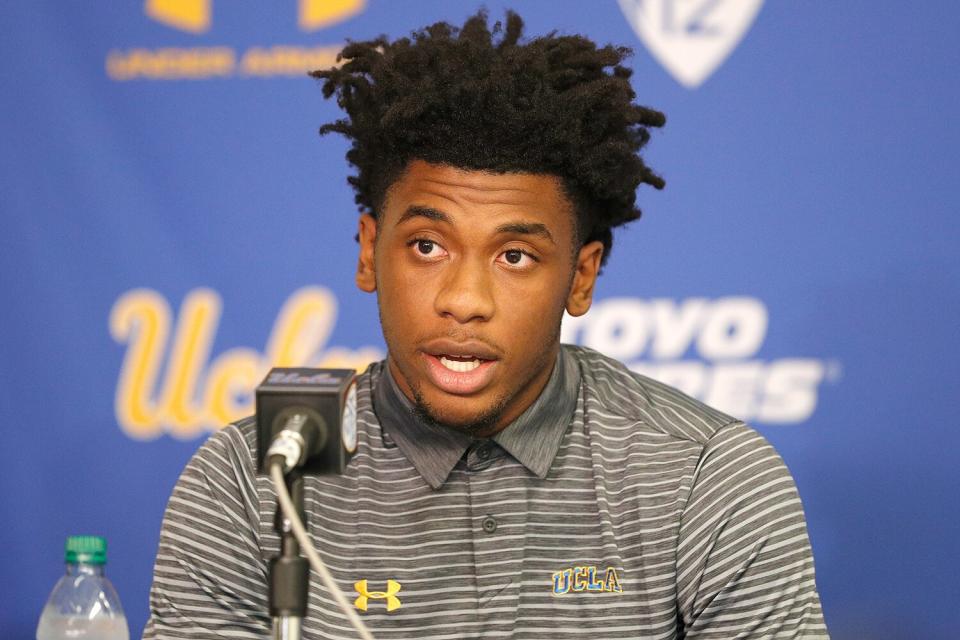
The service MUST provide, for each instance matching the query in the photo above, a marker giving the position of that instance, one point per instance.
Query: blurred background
(173, 225)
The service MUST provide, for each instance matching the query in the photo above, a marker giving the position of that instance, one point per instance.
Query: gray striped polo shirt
(657, 517)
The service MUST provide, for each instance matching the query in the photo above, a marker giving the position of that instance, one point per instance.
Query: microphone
(306, 425)
(307, 417)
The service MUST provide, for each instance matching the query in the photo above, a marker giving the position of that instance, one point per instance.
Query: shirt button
(483, 451)
(489, 524)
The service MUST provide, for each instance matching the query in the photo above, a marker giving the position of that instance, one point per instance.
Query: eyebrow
(527, 228)
(521, 228)
(430, 213)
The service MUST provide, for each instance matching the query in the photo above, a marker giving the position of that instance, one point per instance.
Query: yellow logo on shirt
(586, 579)
(390, 595)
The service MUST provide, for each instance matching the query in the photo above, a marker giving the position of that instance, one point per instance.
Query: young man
(504, 485)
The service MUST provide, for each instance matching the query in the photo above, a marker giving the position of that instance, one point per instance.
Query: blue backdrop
(172, 225)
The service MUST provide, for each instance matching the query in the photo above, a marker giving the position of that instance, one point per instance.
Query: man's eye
(518, 258)
(427, 248)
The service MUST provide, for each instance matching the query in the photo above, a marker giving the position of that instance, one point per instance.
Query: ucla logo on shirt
(578, 579)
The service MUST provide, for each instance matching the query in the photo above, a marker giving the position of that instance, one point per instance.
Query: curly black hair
(478, 98)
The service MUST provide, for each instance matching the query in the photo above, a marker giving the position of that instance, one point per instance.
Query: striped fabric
(659, 518)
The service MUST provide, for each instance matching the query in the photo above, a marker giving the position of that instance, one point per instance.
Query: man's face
(473, 271)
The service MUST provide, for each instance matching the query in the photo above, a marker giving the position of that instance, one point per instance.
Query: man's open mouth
(461, 364)
(460, 367)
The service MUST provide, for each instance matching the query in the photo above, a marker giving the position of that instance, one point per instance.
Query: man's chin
(479, 423)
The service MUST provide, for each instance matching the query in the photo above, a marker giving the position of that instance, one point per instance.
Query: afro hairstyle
(482, 98)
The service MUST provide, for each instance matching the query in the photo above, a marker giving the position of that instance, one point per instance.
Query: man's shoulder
(243, 433)
(618, 395)
(232, 446)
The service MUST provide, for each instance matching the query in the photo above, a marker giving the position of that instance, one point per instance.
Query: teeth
(460, 366)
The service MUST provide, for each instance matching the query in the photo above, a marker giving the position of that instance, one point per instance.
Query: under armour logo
(390, 595)
(196, 15)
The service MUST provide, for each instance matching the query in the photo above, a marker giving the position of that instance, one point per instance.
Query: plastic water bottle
(84, 604)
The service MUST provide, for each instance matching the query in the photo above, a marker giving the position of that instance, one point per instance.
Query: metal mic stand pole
(289, 571)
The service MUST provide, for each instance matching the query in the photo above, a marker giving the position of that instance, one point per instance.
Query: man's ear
(586, 270)
(367, 237)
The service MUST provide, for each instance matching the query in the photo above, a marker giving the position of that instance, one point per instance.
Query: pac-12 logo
(691, 38)
(196, 15)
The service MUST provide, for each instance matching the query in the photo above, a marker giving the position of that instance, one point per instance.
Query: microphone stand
(289, 571)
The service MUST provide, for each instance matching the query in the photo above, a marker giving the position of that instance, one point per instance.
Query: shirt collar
(533, 438)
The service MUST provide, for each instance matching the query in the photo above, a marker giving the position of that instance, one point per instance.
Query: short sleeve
(210, 580)
(744, 563)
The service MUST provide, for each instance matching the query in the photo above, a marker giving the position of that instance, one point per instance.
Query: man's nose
(466, 293)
